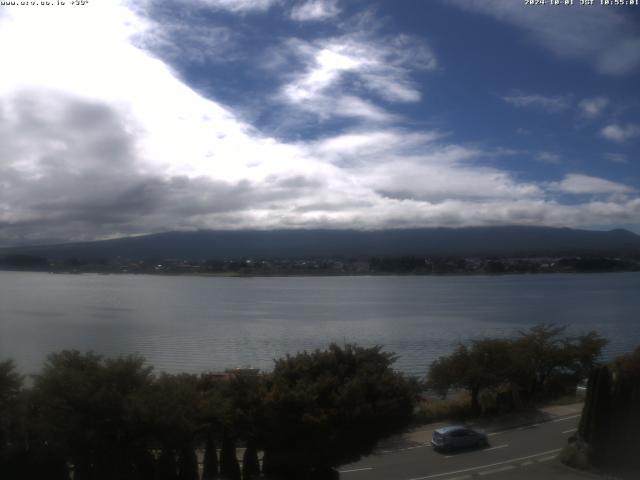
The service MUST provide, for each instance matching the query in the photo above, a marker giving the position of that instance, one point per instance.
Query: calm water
(197, 324)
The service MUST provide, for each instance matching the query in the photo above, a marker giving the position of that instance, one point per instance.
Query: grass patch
(564, 400)
(435, 410)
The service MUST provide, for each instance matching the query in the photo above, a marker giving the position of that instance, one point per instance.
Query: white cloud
(620, 133)
(348, 67)
(421, 179)
(314, 10)
(549, 157)
(237, 6)
(369, 147)
(593, 107)
(616, 157)
(90, 154)
(603, 36)
(550, 104)
(197, 44)
(329, 64)
(578, 184)
(350, 106)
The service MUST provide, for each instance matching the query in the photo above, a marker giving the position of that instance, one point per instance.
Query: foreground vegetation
(608, 436)
(503, 374)
(113, 418)
(100, 418)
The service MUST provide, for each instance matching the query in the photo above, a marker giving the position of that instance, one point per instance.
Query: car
(457, 437)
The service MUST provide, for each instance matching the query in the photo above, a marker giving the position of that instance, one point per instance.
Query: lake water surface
(195, 324)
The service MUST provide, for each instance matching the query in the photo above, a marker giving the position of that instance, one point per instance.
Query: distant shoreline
(317, 275)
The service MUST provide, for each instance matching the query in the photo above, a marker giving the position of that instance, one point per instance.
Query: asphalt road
(512, 453)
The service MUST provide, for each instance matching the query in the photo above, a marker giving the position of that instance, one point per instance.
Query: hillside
(507, 241)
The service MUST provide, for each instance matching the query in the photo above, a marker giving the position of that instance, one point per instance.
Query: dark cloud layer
(74, 174)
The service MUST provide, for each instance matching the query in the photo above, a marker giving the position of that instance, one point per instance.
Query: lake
(194, 324)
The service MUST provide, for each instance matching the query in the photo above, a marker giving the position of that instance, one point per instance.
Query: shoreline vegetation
(375, 266)
(608, 434)
(115, 418)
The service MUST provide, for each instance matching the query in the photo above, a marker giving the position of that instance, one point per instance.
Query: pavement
(522, 446)
(422, 435)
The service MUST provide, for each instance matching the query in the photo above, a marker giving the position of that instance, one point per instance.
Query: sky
(122, 117)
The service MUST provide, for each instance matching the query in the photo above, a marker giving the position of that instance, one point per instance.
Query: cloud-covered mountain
(472, 241)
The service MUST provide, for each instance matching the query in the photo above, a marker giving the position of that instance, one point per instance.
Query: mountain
(470, 241)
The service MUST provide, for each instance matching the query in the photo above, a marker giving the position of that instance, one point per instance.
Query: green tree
(90, 409)
(610, 422)
(529, 363)
(484, 364)
(625, 410)
(583, 352)
(172, 407)
(187, 464)
(327, 408)
(542, 353)
(229, 466)
(11, 414)
(250, 463)
(167, 465)
(10, 388)
(210, 462)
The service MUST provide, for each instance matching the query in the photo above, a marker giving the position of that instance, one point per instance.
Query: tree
(173, 410)
(484, 364)
(625, 410)
(541, 354)
(229, 466)
(250, 463)
(10, 415)
(90, 410)
(10, 387)
(210, 462)
(609, 427)
(146, 465)
(187, 464)
(529, 362)
(583, 352)
(327, 408)
(167, 466)
(10, 384)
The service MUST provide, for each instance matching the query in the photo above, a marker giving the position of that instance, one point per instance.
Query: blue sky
(132, 117)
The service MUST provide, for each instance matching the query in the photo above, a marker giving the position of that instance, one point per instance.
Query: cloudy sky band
(140, 117)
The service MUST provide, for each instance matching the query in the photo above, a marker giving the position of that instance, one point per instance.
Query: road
(513, 453)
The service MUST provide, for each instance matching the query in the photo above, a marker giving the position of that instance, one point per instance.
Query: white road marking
(565, 418)
(533, 425)
(513, 460)
(495, 448)
(545, 459)
(510, 429)
(497, 470)
(356, 470)
(569, 431)
(424, 445)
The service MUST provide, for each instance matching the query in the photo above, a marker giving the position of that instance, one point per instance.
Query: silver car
(457, 436)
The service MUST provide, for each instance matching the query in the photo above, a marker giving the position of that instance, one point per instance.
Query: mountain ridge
(504, 241)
